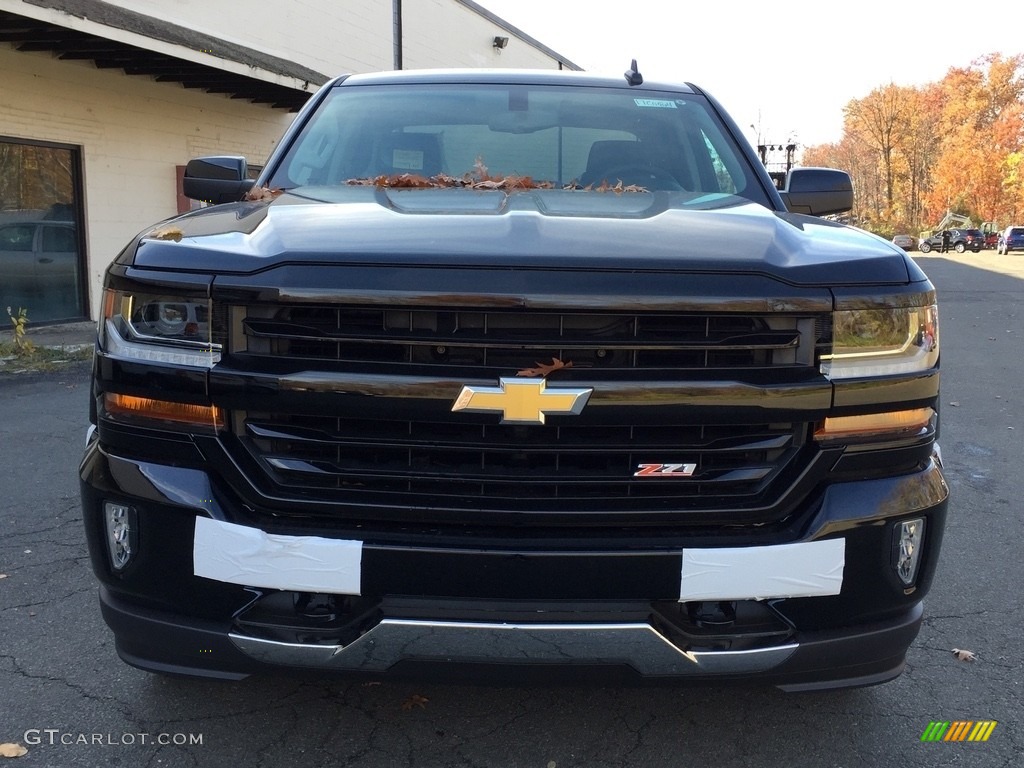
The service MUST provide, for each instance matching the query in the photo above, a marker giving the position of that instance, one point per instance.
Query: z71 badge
(665, 470)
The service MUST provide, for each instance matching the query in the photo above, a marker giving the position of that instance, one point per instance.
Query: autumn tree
(881, 121)
(914, 152)
(982, 129)
(852, 156)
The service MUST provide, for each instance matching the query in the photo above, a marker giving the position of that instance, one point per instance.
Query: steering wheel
(647, 176)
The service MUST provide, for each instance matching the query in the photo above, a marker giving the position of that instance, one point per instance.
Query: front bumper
(618, 606)
(632, 652)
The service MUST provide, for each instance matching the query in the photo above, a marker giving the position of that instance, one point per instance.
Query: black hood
(552, 229)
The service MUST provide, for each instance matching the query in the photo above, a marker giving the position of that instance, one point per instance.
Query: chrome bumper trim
(392, 640)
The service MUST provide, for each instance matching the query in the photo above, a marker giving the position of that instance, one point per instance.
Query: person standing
(945, 241)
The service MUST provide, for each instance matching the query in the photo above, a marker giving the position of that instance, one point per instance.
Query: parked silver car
(37, 257)
(906, 242)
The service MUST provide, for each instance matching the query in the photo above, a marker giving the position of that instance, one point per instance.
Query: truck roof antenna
(633, 76)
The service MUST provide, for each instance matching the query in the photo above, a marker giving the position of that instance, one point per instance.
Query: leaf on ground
(167, 233)
(3, 575)
(12, 750)
(962, 655)
(415, 701)
(955, 403)
(543, 369)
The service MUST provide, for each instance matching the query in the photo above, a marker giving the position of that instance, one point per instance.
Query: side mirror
(818, 191)
(216, 179)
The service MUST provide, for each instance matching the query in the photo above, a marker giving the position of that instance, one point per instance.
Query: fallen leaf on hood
(489, 184)
(168, 233)
(12, 750)
(480, 170)
(444, 181)
(415, 701)
(962, 655)
(543, 369)
(404, 181)
(262, 193)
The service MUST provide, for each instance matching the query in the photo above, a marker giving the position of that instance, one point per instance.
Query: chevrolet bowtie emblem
(522, 402)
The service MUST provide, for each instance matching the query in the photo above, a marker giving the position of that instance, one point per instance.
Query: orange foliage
(916, 152)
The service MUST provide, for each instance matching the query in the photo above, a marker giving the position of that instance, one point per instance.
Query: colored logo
(958, 730)
(665, 470)
(522, 402)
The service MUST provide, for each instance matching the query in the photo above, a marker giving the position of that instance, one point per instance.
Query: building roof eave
(114, 37)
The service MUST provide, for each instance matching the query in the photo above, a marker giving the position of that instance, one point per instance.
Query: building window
(41, 252)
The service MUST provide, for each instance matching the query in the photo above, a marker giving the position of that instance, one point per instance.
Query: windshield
(552, 136)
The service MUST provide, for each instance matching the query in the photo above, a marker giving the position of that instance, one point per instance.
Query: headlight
(158, 328)
(882, 342)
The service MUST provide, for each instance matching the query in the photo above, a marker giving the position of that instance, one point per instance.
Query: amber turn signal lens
(875, 425)
(164, 410)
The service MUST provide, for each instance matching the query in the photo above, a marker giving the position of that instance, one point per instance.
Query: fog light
(906, 549)
(121, 533)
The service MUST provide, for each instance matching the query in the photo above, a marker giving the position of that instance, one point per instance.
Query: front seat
(631, 162)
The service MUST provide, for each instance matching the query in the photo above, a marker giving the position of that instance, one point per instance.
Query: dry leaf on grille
(543, 369)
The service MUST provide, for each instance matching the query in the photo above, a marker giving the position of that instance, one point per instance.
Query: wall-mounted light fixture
(500, 42)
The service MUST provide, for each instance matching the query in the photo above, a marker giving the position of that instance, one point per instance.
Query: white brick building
(103, 101)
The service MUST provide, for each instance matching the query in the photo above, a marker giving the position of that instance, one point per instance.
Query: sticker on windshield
(656, 103)
(407, 159)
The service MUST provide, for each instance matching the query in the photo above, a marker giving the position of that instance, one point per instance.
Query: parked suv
(535, 370)
(1011, 239)
(960, 240)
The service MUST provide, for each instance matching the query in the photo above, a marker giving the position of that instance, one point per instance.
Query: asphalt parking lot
(68, 700)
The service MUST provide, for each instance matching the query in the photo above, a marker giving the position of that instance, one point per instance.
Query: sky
(783, 70)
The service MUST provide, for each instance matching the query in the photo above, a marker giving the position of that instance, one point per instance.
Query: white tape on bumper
(238, 554)
(806, 569)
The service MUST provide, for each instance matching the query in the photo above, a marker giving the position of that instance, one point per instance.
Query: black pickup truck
(505, 371)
